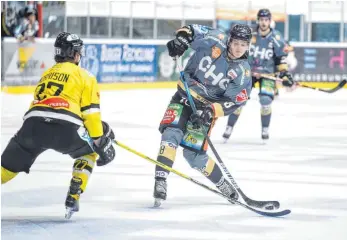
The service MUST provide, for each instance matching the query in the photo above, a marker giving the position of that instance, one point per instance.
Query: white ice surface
(304, 166)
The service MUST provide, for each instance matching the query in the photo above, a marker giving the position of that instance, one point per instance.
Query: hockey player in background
(268, 54)
(64, 116)
(219, 78)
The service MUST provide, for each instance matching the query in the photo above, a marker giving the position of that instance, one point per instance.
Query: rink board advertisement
(135, 61)
(167, 68)
(319, 64)
(23, 64)
(121, 62)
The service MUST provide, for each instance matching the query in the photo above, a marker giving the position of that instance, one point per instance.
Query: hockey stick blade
(268, 205)
(236, 202)
(338, 87)
(264, 213)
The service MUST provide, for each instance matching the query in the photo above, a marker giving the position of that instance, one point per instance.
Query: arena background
(125, 40)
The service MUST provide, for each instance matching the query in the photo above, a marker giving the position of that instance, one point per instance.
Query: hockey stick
(332, 90)
(340, 85)
(263, 213)
(269, 205)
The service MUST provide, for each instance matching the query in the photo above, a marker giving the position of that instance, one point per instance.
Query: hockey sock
(6, 175)
(167, 155)
(83, 167)
(265, 115)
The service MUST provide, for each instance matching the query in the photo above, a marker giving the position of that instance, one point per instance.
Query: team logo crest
(216, 52)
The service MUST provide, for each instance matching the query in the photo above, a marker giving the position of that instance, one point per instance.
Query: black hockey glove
(287, 78)
(202, 117)
(181, 43)
(107, 130)
(105, 148)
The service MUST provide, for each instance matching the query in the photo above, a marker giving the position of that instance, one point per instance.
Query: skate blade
(69, 212)
(157, 202)
(225, 140)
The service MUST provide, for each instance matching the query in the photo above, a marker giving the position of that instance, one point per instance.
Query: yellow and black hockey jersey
(68, 92)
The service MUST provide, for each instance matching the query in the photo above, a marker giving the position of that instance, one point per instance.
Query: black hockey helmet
(241, 32)
(264, 13)
(30, 11)
(66, 46)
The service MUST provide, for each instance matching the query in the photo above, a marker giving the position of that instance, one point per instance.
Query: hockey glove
(107, 130)
(287, 78)
(202, 117)
(180, 44)
(105, 150)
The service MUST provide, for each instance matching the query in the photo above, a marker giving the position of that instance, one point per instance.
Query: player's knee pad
(195, 160)
(173, 135)
(83, 168)
(166, 155)
(265, 110)
(237, 112)
(7, 175)
(265, 100)
(167, 151)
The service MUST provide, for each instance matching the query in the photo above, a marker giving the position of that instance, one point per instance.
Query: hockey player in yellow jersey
(64, 116)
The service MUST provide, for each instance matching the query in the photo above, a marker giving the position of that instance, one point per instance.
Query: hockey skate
(227, 133)
(227, 189)
(159, 193)
(72, 199)
(265, 134)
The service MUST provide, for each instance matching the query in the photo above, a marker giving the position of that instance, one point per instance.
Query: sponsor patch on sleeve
(216, 52)
(232, 74)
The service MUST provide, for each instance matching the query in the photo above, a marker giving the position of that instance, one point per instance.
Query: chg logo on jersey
(242, 96)
(206, 65)
(260, 52)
